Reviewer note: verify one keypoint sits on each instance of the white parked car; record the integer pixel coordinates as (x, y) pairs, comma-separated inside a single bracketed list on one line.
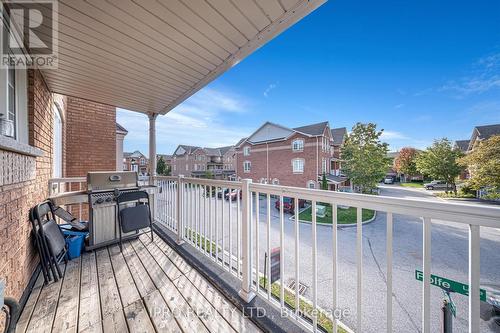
[(436, 185), (388, 180)]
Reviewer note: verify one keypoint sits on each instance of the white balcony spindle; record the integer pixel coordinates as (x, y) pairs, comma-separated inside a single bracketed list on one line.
[(268, 234), (246, 292), (257, 243), (314, 268), (426, 288), (335, 260), (179, 203), (474, 275), (359, 251), (282, 253), (297, 254), (230, 230), (389, 271)]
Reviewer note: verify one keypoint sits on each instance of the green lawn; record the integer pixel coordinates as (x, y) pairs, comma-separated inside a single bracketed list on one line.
[(344, 216), (415, 185), (305, 308)]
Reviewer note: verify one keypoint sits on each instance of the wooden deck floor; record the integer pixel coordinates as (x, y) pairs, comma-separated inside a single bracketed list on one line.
[(147, 288)]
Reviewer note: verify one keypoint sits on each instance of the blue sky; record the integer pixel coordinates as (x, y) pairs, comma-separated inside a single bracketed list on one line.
[(418, 69)]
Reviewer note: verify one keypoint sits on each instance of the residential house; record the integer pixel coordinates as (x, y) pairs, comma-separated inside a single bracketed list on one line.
[(275, 154), (137, 162), (479, 133), (196, 161), (121, 132)]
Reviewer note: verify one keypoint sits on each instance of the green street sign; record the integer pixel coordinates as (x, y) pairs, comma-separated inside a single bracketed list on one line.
[(449, 285)]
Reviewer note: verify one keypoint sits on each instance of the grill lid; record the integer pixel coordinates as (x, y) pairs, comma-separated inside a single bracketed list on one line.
[(109, 180)]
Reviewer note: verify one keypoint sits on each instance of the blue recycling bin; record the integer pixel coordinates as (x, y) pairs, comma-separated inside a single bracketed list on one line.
[(74, 239)]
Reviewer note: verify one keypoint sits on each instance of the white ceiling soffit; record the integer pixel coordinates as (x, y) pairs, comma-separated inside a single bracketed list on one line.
[(151, 55)]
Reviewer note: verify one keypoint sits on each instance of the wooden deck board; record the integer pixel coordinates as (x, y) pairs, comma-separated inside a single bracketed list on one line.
[(146, 288), (66, 319), (24, 319), (215, 298), (89, 318), (45, 309)]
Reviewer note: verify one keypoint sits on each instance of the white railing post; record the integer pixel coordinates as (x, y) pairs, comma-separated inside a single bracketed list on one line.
[(474, 278), (246, 244), (178, 207)]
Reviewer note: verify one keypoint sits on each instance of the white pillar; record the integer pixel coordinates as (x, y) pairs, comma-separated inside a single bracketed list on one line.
[(246, 242), (152, 146)]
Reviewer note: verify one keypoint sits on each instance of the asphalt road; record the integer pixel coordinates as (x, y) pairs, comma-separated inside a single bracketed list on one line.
[(449, 259)]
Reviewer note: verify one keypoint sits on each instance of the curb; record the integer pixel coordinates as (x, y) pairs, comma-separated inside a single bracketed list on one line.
[(347, 225)]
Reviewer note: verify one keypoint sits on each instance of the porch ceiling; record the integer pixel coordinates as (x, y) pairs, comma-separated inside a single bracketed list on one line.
[(150, 55)]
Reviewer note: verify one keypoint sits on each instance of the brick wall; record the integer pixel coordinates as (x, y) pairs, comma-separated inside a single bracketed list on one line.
[(91, 137), (18, 258), (274, 161)]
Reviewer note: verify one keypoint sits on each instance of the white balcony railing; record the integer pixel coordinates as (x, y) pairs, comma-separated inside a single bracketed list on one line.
[(236, 233), (231, 233)]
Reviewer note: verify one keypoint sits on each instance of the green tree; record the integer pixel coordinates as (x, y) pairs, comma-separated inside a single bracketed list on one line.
[(324, 182), (161, 167), (406, 162), (484, 164), (440, 161), (209, 174), (365, 156)]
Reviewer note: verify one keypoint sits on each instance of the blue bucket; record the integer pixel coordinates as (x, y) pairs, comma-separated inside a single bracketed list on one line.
[(74, 239)]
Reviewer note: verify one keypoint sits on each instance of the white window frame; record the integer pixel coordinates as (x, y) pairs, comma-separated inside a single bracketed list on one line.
[(311, 182), (298, 145), (296, 167), (20, 125), (246, 151), (247, 166), (57, 135), (276, 181)]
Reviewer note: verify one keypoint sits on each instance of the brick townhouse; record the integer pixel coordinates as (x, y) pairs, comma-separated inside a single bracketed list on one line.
[(276, 154), (136, 161), (42, 136), (193, 161)]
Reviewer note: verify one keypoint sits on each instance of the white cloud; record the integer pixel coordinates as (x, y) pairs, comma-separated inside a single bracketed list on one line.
[(389, 135), (198, 121), (398, 106), (269, 88), (484, 76)]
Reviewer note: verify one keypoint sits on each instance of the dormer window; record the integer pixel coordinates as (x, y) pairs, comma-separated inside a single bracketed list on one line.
[(246, 151), (298, 145)]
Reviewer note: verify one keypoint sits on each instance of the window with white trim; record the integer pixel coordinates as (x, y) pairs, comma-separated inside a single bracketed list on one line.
[(298, 165), (246, 151), (298, 145), (276, 181), (324, 165), (247, 165), (311, 184)]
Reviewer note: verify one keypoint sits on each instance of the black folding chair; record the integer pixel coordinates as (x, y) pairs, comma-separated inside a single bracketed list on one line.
[(51, 238), (135, 218)]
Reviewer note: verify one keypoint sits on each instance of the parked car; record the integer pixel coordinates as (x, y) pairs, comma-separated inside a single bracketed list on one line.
[(222, 194), (233, 195), (289, 204), (388, 180), (436, 185)]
